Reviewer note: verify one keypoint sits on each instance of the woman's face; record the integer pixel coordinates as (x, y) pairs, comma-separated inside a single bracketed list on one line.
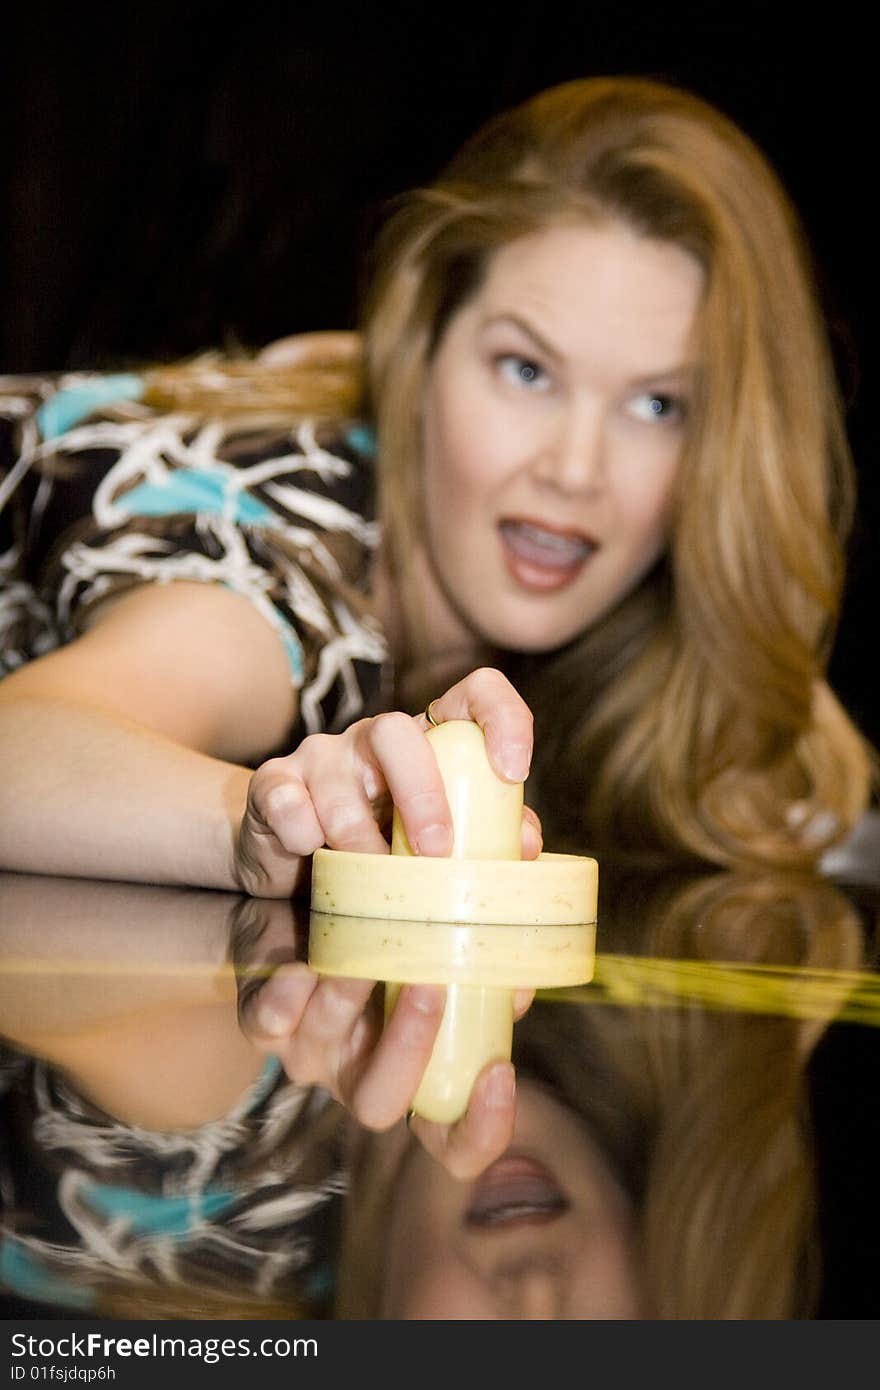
[(554, 415), (545, 1232)]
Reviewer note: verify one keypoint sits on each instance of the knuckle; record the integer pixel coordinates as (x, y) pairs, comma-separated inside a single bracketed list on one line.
[(424, 808), (390, 723), (314, 746), (345, 822), (306, 1072), (270, 770), (366, 1114), (487, 678)]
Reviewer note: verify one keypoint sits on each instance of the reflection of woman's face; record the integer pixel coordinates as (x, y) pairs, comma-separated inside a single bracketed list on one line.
[(546, 1232), (555, 412)]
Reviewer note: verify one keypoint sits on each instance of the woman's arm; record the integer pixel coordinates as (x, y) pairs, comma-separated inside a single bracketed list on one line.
[(119, 756), (126, 753)]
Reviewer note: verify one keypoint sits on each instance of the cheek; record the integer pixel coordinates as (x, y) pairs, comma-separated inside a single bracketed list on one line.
[(607, 1285), (466, 442), (649, 504), (457, 491), (454, 463)]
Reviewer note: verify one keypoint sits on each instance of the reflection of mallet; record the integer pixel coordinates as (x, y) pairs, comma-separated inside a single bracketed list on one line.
[(483, 922)]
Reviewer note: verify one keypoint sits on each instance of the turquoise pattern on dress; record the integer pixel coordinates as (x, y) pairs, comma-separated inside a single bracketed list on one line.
[(23, 1274), (208, 492), (72, 404), (145, 1214), (363, 438), (194, 491)]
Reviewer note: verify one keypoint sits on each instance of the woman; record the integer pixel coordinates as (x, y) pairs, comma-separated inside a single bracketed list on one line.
[(613, 487)]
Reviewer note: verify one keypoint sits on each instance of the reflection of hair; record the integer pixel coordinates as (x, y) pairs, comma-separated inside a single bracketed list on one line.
[(730, 1205), (696, 712), (701, 1111)]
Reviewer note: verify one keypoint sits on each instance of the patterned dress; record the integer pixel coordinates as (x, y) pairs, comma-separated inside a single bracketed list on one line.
[(100, 492)]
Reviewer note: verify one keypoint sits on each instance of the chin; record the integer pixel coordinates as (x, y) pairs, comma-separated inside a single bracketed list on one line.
[(531, 642)]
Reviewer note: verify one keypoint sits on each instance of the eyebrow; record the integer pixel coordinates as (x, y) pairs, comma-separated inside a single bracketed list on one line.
[(524, 328), (684, 370)]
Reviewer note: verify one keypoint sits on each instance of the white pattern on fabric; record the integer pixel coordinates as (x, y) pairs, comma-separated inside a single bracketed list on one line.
[(182, 497), (231, 1204)]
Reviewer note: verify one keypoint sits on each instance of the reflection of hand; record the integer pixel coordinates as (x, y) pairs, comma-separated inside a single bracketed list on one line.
[(337, 789), (328, 1032)]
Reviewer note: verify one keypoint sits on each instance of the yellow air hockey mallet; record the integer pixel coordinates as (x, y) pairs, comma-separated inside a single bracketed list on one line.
[(483, 922)]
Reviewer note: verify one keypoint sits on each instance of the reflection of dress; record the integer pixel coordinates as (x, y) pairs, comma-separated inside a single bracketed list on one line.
[(243, 1208), (99, 492)]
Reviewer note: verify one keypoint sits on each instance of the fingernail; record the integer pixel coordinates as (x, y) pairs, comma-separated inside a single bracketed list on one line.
[(501, 1089), (280, 798), (434, 839), (270, 1021), (515, 759), (424, 998)]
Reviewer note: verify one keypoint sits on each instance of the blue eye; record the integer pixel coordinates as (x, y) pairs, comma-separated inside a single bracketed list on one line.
[(651, 407), (522, 371)]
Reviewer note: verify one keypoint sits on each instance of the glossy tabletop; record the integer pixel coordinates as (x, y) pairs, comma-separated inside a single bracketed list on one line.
[(700, 1123)]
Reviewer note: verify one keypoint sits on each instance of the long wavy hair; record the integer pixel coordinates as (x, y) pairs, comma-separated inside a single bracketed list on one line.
[(696, 715)]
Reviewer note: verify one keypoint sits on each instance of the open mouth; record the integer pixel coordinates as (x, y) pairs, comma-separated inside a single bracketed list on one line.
[(543, 558), (515, 1190)]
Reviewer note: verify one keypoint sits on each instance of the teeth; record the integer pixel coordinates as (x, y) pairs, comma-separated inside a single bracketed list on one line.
[(518, 1211), (561, 547), (549, 538)]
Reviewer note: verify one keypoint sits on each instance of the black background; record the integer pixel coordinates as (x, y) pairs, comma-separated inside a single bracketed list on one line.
[(184, 176)]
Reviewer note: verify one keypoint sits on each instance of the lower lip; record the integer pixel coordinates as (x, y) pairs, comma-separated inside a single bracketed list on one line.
[(543, 579)]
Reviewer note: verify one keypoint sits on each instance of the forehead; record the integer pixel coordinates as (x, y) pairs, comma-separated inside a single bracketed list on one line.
[(596, 286)]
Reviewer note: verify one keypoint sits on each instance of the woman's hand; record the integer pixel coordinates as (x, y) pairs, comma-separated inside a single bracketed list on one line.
[(338, 789), (317, 349), (329, 1032)]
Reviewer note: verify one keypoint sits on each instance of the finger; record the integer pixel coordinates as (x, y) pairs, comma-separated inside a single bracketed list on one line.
[(487, 697), (276, 1010), (413, 777), (385, 1090), (483, 1133), (522, 1002), (279, 802), (532, 835), (346, 814), (329, 1033), (343, 779)]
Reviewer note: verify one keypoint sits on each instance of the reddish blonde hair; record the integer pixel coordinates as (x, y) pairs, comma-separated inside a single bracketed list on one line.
[(697, 713)]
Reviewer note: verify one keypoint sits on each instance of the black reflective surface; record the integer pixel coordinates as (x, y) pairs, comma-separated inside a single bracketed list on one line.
[(700, 1125)]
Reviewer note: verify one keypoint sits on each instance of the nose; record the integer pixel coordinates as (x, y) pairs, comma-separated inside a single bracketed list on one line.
[(571, 453)]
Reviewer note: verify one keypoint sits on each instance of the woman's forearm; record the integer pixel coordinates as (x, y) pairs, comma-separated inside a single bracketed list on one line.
[(86, 792)]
